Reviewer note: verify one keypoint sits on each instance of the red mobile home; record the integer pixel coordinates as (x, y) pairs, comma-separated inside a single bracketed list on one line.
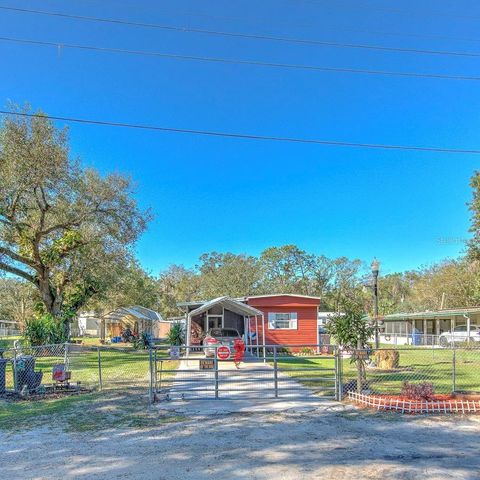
[(287, 319), (281, 319)]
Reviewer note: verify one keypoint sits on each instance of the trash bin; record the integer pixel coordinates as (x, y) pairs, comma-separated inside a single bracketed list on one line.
[(3, 368), (25, 373)]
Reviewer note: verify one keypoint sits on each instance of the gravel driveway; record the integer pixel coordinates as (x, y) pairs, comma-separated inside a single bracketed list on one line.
[(330, 442)]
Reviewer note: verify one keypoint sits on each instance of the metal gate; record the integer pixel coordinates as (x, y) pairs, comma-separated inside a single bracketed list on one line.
[(277, 371)]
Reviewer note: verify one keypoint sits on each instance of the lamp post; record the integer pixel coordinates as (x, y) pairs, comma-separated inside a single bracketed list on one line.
[(375, 268)]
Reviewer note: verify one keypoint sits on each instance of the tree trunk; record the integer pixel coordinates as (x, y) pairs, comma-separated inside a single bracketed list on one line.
[(360, 375), (52, 300)]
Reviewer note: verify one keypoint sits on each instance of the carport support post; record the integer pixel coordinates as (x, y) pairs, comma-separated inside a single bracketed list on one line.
[(263, 339)]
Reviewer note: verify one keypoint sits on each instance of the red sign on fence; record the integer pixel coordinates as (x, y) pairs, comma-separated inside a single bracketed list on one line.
[(223, 353)]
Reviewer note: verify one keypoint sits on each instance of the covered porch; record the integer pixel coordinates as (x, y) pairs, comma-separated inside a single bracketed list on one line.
[(425, 327), (223, 312)]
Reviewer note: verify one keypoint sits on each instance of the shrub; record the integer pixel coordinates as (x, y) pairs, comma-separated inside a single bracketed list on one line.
[(44, 330), (418, 391), (175, 336), (143, 341), (307, 351)]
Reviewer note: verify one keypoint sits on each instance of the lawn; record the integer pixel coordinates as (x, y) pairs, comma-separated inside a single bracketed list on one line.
[(84, 412), (416, 365), (7, 342), (119, 367)]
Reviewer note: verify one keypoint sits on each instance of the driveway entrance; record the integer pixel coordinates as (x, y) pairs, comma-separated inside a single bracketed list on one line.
[(281, 374)]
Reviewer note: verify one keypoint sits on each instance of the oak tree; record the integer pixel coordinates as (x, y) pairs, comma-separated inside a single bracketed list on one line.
[(63, 228)]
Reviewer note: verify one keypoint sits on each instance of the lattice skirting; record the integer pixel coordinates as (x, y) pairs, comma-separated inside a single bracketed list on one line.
[(412, 406)]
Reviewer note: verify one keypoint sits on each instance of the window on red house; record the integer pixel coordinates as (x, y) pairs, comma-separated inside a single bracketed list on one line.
[(282, 321)]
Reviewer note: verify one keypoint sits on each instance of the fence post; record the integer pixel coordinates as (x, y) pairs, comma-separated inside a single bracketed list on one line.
[(338, 373), (151, 382), (454, 368), (100, 383), (216, 373), (65, 356), (275, 370), (15, 380)]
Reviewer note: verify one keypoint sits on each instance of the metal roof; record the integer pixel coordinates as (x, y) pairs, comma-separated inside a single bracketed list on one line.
[(450, 312), (198, 303), (10, 322), (282, 295), (136, 312), (230, 304)]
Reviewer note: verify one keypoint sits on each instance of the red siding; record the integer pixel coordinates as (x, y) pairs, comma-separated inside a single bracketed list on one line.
[(306, 309)]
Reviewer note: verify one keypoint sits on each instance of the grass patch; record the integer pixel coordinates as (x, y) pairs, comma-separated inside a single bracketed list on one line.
[(120, 367), (84, 413), (433, 365), (7, 342)]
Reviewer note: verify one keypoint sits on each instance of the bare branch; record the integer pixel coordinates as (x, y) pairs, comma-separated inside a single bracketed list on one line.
[(18, 272), (17, 257)]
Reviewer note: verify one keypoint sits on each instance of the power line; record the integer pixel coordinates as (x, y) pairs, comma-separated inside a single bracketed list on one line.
[(231, 61), (243, 136), (393, 11), (274, 38)]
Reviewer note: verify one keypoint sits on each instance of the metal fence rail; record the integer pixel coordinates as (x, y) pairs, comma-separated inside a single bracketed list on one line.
[(448, 370), (89, 367), (286, 371), (281, 373)]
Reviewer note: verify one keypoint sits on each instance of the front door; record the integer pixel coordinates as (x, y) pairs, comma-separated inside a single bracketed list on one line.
[(213, 321)]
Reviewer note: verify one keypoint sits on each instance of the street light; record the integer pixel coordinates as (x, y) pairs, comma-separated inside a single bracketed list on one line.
[(375, 266)]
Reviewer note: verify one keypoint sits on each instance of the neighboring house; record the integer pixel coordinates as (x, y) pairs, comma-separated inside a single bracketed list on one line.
[(87, 325), (138, 319), (9, 328), (280, 319), (425, 327), (325, 317)]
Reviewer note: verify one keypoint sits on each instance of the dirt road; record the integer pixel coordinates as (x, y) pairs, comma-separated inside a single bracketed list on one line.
[(327, 443)]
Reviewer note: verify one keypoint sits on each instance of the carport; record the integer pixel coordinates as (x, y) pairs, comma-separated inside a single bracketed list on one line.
[(225, 312), (138, 319)]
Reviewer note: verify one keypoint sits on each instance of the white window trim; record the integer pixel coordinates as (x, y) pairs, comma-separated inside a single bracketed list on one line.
[(293, 320)]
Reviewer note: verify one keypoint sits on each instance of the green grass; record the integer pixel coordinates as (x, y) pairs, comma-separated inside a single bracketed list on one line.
[(120, 368), (7, 342), (317, 373), (416, 365), (84, 413)]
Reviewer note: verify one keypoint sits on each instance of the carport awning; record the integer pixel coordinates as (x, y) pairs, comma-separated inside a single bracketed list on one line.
[(228, 303), (129, 314)]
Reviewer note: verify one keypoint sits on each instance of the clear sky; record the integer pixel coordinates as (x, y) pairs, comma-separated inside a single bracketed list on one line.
[(406, 208)]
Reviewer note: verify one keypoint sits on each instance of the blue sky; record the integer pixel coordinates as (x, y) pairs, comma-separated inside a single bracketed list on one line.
[(406, 208)]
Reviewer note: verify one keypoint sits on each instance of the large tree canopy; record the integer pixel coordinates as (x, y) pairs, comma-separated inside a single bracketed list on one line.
[(63, 228)]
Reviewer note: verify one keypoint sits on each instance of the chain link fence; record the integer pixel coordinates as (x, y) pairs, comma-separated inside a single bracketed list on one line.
[(323, 370), (88, 367), (452, 369)]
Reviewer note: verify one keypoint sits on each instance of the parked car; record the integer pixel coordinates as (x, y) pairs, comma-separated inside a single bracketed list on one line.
[(460, 334), (217, 337)]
